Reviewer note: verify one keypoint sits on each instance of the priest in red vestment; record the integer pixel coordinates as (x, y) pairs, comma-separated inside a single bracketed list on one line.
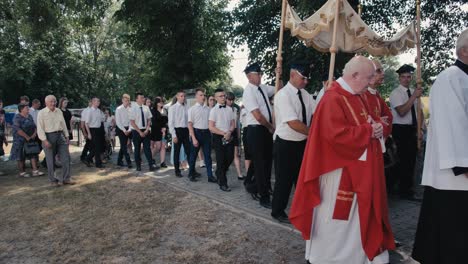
[(340, 204)]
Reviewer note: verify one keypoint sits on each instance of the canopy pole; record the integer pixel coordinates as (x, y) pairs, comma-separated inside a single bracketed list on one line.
[(279, 56), (359, 9), (419, 81), (333, 48)]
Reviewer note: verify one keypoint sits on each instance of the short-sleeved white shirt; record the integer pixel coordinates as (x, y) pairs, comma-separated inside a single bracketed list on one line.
[(243, 117), (84, 114), (95, 117), (253, 99), (178, 117), (288, 108), (198, 115), (135, 114), (398, 97), (222, 116)]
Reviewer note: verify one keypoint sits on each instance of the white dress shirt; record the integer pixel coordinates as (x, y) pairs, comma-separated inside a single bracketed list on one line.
[(222, 116), (84, 114), (178, 117), (33, 112), (95, 117), (243, 117), (288, 108), (122, 117), (135, 114), (398, 97), (253, 99), (198, 115)]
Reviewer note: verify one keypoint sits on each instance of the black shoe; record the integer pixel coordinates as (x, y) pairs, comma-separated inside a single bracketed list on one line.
[(87, 163), (178, 174), (120, 164), (163, 165), (241, 178), (138, 167), (130, 166), (265, 202), (212, 179), (153, 168), (282, 219), (100, 166), (224, 188), (197, 174), (193, 179)]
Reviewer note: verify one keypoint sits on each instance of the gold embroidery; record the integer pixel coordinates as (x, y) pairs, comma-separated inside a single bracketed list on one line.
[(345, 192), (344, 199), (351, 110), (364, 113)]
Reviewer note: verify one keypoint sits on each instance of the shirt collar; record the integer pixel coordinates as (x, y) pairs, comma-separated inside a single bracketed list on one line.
[(292, 88), (462, 66), (345, 86), (218, 105), (198, 104), (403, 88), (48, 110), (372, 90)]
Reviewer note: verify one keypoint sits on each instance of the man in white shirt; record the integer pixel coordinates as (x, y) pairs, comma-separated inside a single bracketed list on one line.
[(36, 104), (123, 130), (260, 133), (200, 135), (140, 122), (403, 101), (178, 127), (294, 107), (222, 125), (95, 130), (87, 146), (442, 229)]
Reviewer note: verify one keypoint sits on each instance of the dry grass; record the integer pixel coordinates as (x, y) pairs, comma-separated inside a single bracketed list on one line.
[(118, 218)]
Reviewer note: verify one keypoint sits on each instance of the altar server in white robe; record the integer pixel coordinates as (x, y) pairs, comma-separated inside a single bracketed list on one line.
[(442, 232)]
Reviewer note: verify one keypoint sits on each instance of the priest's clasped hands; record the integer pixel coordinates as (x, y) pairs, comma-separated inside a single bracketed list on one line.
[(377, 128)]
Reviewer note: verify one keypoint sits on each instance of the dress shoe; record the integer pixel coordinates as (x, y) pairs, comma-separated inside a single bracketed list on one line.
[(54, 184), (138, 167), (265, 202), (100, 166), (212, 179), (193, 179), (129, 165), (153, 168), (178, 174), (282, 219), (241, 178), (69, 183), (120, 164), (224, 188), (197, 174), (87, 163), (163, 165)]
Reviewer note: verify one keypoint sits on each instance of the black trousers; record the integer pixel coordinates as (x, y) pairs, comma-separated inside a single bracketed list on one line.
[(182, 134), (442, 229), (97, 145), (405, 137), (123, 152), (288, 160), (260, 144), (224, 158), (137, 141), (86, 149), (244, 142)]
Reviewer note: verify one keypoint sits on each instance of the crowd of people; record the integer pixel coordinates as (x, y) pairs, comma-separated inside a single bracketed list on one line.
[(331, 149)]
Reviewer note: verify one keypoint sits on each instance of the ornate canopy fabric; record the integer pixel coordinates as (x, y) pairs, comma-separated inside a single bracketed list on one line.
[(353, 35)]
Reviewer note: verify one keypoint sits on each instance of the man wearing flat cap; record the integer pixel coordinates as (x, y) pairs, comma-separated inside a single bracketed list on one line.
[(259, 120), (403, 101), (294, 107)]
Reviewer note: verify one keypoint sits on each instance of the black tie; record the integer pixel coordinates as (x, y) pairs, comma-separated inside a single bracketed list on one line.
[(142, 118), (304, 115), (266, 103), (413, 110), (222, 106)]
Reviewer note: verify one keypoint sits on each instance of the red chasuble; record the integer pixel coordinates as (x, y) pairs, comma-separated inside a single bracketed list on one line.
[(339, 135), (378, 108)]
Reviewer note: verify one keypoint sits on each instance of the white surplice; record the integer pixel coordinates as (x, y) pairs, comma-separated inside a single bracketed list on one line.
[(447, 140), (336, 241)]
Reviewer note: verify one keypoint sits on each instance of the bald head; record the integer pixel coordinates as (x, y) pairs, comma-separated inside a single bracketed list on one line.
[(358, 73), (462, 46)]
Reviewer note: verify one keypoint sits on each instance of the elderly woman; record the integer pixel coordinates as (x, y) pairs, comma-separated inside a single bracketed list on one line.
[(24, 130)]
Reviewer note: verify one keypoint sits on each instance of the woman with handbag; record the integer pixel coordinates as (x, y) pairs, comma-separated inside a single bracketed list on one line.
[(25, 145)]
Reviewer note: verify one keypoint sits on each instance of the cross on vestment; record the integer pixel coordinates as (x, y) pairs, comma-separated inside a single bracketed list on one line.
[(364, 113), (377, 112)]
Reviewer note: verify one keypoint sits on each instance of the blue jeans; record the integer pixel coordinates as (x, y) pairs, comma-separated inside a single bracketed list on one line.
[(203, 137)]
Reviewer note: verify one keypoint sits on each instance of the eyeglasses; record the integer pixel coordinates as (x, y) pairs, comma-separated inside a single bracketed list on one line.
[(302, 76)]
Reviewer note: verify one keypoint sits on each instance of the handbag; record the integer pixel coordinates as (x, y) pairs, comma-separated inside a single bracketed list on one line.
[(31, 148)]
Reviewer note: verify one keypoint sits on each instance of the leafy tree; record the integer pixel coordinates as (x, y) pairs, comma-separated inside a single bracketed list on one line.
[(186, 40)]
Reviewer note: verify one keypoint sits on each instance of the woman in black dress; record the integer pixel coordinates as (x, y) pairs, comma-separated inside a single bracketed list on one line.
[(67, 115), (158, 130)]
